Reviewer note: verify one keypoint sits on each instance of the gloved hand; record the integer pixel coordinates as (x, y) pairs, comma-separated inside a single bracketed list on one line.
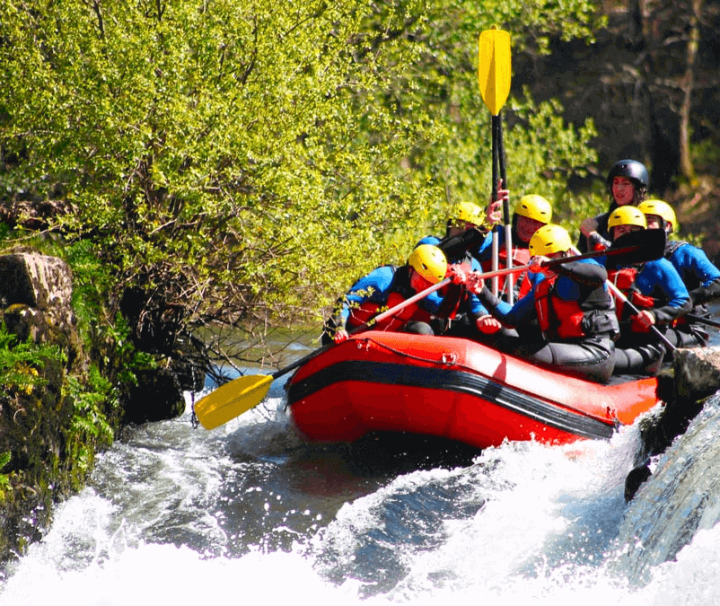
[(597, 242), (340, 336), (488, 325), (642, 322), (457, 273), (536, 266), (474, 283)]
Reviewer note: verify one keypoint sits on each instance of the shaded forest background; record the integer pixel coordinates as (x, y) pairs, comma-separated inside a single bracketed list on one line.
[(650, 81), (229, 170)]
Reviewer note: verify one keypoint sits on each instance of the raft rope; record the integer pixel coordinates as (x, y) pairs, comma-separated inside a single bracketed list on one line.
[(446, 360)]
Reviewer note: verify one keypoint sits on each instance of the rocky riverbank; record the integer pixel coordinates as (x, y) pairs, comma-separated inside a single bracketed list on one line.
[(60, 403)]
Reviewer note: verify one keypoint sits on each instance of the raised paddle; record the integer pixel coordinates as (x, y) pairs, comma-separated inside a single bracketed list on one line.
[(506, 212), (494, 74), (240, 395), (633, 247)]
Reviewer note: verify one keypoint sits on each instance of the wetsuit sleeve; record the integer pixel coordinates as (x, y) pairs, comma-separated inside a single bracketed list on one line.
[(374, 287), (585, 272), (477, 309), (520, 314), (695, 268), (428, 240), (602, 229), (484, 253), (661, 275), (484, 250), (705, 294)]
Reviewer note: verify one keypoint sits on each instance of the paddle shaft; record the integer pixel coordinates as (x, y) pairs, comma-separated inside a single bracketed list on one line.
[(550, 263), (369, 324), (701, 320), (496, 232), (506, 210), (621, 295)]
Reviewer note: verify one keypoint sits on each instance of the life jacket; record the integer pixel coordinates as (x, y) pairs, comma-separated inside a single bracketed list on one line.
[(624, 280), (454, 295), (399, 291), (520, 256), (573, 319)]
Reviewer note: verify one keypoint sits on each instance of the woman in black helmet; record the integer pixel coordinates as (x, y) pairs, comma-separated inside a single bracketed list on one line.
[(627, 182)]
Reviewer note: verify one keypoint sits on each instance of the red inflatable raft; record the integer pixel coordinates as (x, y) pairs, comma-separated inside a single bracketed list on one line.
[(453, 388)]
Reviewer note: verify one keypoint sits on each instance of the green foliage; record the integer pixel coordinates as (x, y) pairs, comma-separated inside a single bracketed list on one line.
[(250, 160), (88, 429), (706, 152), (5, 458), (20, 362)]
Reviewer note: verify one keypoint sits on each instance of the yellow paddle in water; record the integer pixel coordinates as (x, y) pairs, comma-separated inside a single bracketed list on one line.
[(494, 75), (240, 395)]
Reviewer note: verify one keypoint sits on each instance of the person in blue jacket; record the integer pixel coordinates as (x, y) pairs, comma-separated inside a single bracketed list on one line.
[(657, 292), (627, 184), (470, 319), (700, 276), (386, 287), (567, 321)]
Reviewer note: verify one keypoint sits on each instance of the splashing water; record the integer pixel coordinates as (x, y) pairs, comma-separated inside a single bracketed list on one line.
[(183, 516)]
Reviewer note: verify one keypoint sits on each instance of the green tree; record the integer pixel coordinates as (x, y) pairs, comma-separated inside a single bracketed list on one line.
[(241, 162)]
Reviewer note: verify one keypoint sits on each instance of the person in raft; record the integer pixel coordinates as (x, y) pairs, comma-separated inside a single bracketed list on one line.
[(700, 276), (530, 214), (386, 287), (459, 312), (655, 289), (627, 183), (567, 321)]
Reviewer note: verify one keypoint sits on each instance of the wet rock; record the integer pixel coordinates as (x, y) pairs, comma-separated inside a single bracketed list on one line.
[(694, 377), (35, 294), (157, 396)]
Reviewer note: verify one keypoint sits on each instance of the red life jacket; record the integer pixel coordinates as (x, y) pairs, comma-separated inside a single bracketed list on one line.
[(557, 317), (399, 291), (453, 295), (624, 279), (520, 256)]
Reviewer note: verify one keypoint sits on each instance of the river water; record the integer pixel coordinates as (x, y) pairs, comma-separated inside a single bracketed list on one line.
[(177, 515)]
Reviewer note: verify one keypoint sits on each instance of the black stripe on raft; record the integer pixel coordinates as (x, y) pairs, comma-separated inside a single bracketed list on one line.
[(453, 380)]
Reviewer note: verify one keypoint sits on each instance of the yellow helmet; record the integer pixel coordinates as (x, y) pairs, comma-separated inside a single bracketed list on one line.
[(534, 207), (549, 239), (467, 212), (429, 261), (661, 209), (627, 215)]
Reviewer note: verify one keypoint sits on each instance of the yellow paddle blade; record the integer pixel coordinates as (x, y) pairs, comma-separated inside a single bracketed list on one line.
[(494, 68), (231, 400)]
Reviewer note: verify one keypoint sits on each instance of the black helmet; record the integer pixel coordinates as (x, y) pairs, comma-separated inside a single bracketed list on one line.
[(632, 169)]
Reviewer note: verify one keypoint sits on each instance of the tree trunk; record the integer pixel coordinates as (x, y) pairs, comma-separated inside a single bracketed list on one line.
[(686, 163)]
